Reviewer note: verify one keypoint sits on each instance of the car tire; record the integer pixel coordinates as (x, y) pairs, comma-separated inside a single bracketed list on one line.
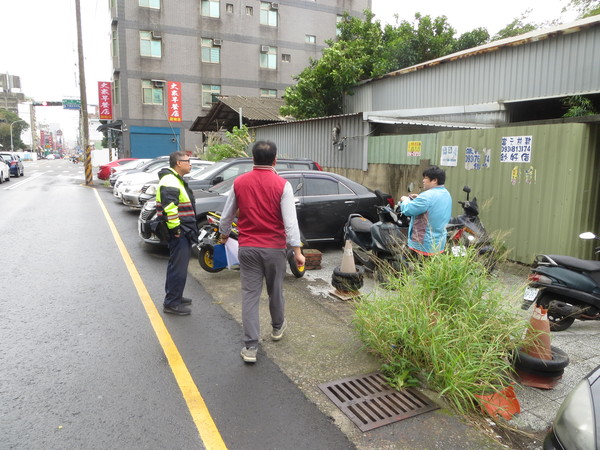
[(346, 281), (559, 361)]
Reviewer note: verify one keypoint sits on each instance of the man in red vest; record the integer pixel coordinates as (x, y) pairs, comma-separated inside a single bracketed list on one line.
[(266, 222)]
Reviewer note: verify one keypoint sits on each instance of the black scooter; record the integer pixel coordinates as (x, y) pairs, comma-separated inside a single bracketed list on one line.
[(569, 288), (378, 242)]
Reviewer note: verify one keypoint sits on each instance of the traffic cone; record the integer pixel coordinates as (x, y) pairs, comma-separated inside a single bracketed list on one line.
[(538, 335), (348, 265)]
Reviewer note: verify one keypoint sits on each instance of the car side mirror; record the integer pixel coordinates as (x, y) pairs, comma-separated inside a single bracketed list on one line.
[(217, 180)]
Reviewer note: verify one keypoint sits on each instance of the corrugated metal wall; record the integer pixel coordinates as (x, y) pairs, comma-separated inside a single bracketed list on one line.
[(395, 149), (313, 139), (543, 204)]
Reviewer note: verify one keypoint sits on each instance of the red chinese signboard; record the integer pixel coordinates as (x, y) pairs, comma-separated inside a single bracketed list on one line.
[(105, 100), (174, 100)]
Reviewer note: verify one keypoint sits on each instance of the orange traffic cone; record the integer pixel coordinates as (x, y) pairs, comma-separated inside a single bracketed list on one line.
[(503, 403), (539, 335), (348, 265)]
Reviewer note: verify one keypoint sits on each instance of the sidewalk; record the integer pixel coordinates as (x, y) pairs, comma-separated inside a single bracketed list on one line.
[(321, 346)]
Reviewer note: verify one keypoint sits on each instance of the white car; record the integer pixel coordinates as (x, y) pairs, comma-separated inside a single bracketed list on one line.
[(4, 171)]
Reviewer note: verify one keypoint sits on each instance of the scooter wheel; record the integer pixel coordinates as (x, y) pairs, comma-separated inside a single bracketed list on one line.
[(296, 271), (205, 258), (558, 320)]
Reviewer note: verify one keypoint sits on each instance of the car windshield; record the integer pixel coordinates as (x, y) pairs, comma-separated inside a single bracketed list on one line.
[(222, 188), (209, 173)]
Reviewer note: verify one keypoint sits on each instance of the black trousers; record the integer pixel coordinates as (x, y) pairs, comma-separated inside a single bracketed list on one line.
[(180, 250)]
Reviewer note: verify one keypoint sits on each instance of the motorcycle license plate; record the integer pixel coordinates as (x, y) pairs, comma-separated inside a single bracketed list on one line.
[(203, 233), (530, 294)]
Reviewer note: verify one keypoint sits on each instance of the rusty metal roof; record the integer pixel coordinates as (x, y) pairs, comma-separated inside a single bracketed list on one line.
[(225, 113)]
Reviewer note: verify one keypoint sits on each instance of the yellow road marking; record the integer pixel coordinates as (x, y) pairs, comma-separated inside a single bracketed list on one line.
[(209, 434)]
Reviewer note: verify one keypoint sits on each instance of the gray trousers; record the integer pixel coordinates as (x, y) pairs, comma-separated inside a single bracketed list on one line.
[(255, 264)]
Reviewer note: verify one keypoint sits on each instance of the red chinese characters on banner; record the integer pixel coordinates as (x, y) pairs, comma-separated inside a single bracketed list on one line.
[(105, 100), (174, 100)]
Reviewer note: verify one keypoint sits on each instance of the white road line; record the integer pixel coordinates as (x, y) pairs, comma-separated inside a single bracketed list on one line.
[(20, 183)]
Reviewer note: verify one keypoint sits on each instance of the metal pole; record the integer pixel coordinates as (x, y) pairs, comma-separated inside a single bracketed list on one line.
[(84, 113), (12, 149)]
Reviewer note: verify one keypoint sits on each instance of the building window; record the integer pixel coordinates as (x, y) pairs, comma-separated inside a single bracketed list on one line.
[(116, 91), (268, 57), (154, 4), (286, 57), (152, 92), (229, 8), (272, 93), (310, 39), (339, 19), (209, 91), (210, 8), (249, 11), (115, 44), (211, 53), (268, 15), (150, 45)]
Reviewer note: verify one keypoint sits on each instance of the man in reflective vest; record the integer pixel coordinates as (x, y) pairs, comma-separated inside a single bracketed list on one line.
[(175, 205)]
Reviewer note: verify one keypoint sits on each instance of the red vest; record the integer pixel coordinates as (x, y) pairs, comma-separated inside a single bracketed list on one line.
[(258, 195)]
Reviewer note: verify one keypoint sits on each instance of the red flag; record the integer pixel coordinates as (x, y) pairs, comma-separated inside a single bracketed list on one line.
[(174, 100), (105, 99)]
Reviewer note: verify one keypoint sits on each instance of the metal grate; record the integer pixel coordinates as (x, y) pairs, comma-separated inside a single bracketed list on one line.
[(370, 403)]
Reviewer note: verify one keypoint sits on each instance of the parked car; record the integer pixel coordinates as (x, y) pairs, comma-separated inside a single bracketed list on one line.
[(146, 165), (131, 188), (227, 169), (14, 161), (104, 169), (324, 200), (577, 423), (4, 171)]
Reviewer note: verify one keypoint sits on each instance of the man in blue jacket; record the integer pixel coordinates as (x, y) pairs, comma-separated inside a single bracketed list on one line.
[(430, 212)]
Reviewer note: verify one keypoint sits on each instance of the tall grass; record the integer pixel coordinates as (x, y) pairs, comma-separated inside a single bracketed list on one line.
[(448, 325)]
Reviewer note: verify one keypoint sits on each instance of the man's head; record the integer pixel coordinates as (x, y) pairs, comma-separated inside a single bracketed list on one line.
[(180, 162), (264, 153), (433, 176)]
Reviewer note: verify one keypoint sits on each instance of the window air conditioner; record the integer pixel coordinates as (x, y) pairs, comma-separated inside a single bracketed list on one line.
[(217, 42), (158, 83), (264, 48), (156, 35), (274, 5)]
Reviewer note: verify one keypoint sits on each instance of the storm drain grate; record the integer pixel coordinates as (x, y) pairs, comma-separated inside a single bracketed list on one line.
[(370, 403)]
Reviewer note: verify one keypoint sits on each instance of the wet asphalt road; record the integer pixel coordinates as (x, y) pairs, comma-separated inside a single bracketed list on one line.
[(81, 366)]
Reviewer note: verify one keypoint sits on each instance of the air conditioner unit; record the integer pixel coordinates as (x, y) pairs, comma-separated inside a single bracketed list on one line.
[(156, 35), (218, 42), (158, 83), (264, 48), (274, 5)]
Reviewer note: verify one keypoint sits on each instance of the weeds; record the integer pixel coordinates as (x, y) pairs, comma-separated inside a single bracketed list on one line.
[(447, 325)]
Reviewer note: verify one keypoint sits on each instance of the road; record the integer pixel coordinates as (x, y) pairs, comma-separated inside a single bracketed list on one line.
[(85, 341)]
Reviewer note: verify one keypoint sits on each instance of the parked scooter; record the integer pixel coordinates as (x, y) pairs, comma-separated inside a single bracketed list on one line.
[(378, 242), (209, 237), (467, 230), (569, 288)]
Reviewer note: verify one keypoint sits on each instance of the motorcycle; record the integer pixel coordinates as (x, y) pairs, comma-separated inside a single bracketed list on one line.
[(382, 241), (467, 230), (209, 237), (569, 288)]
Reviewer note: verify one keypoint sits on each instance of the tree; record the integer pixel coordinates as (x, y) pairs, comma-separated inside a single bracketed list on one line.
[(516, 27), (237, 141), (6, 119), (578, 106), (586, 8)]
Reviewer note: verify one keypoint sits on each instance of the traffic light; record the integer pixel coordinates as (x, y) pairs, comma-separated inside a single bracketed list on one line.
[(45, 103)]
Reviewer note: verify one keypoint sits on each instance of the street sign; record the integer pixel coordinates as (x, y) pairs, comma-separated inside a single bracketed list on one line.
[(71, 104)]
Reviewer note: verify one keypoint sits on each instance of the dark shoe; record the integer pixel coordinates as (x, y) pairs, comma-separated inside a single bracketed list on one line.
[(186, 301), (179, 310)]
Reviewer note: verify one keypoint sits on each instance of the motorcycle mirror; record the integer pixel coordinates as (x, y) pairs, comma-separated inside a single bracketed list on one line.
[(587, 235), (467, 189)]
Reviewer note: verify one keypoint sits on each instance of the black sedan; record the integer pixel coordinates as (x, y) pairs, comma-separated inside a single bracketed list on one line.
[(324, 200)]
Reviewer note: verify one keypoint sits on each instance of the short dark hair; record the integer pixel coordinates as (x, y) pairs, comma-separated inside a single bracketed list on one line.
[(435, 173), (174, 157), (264, 153)]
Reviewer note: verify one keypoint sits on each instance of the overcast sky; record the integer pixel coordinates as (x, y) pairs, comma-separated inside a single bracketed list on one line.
[(40, 39)]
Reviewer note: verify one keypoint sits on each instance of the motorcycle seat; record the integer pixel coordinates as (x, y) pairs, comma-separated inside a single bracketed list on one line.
[(361, 225), (582, 265)]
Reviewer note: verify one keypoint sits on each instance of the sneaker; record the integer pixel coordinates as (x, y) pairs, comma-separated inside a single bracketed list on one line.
[(186, 301), (277, 333), (249, 354), (179, 310)]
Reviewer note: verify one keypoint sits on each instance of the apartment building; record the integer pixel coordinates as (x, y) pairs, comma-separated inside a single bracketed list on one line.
[(211, 47)]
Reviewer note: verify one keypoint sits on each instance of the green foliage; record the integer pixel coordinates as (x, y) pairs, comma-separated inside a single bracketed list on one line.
[(516, 27), (234, 145), (447, 324), (578, 106), (585, 8), (6, 118)]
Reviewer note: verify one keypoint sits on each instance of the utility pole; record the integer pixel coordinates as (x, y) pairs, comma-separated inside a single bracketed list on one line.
[(87, 162)]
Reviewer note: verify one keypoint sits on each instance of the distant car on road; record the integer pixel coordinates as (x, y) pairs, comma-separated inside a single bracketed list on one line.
[(14, 162), (324, 200), (4, 171), (104, 169)]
